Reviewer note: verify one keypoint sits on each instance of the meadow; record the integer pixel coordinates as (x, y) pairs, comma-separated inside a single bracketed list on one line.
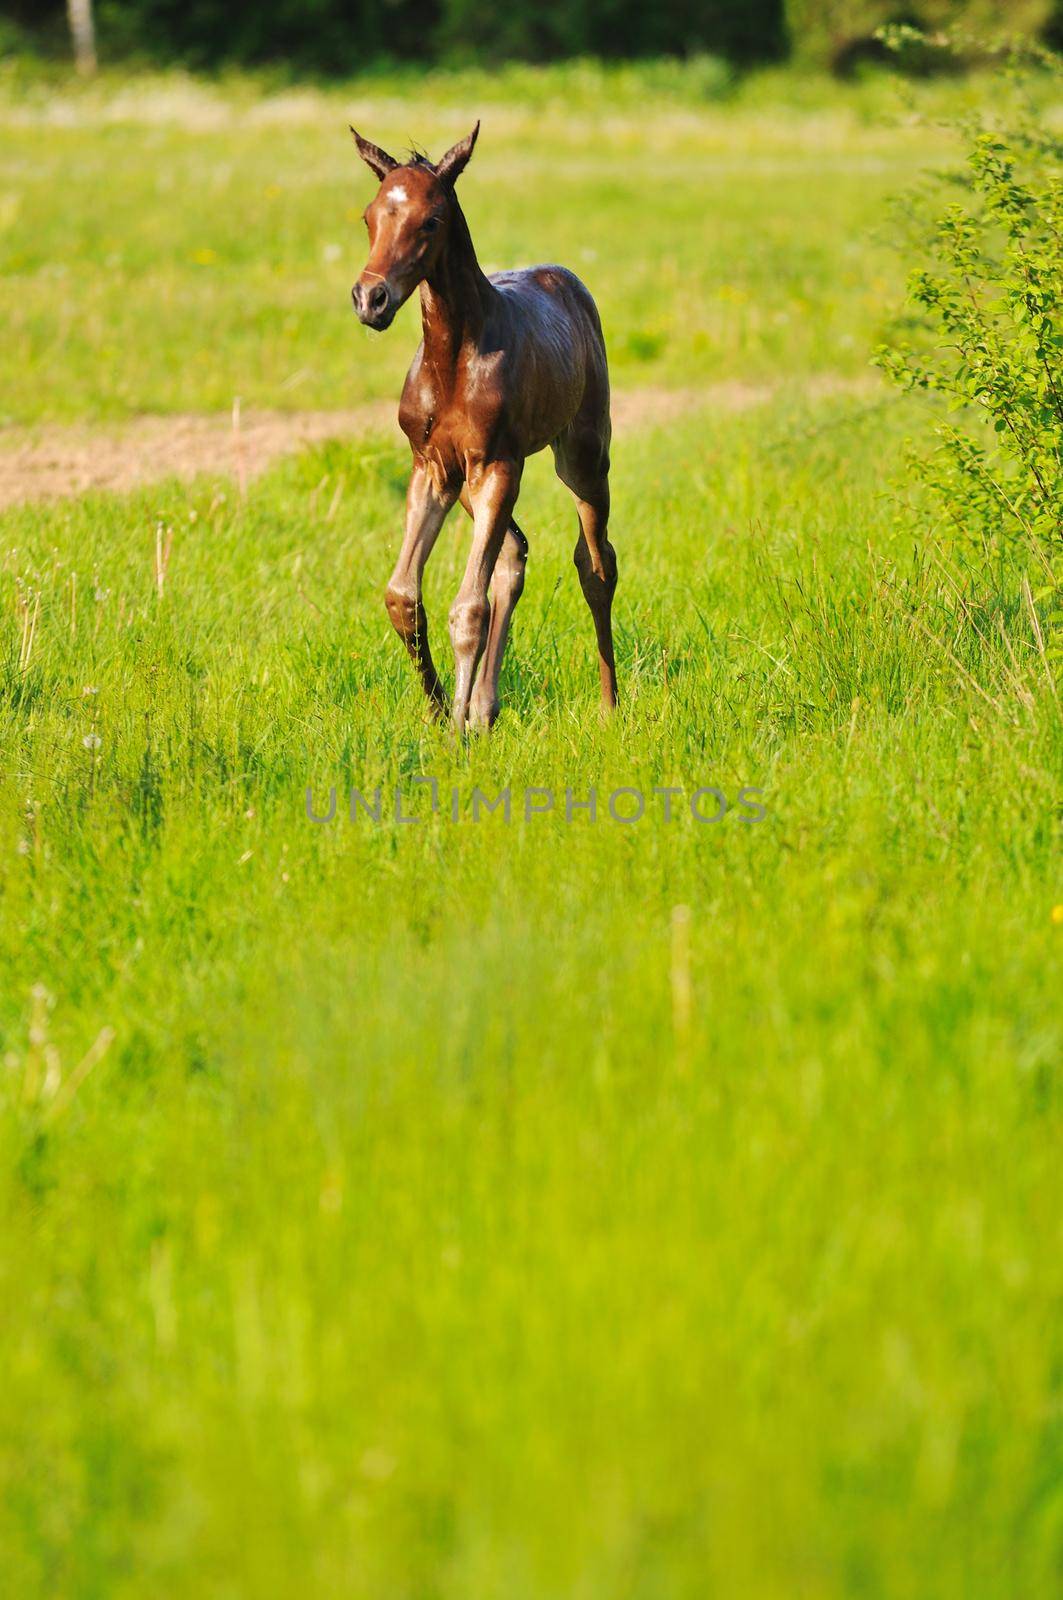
[(454, 1209)]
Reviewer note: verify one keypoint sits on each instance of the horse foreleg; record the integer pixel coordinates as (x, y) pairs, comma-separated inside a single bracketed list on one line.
[(507, 586), (426, 510), (492, 498)]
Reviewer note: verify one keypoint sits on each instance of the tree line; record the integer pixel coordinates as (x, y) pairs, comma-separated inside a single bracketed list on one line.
[(345, 36)]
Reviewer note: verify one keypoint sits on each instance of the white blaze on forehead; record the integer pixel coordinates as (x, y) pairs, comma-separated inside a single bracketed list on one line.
[(398, 193)]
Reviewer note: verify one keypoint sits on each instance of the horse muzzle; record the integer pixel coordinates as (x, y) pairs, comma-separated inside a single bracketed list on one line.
[(374, 304)]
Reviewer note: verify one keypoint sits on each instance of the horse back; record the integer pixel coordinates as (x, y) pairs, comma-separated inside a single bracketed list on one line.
[(554, 367)]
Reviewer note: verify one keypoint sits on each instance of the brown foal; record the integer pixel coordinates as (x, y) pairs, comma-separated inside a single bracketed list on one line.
[(507, 365)]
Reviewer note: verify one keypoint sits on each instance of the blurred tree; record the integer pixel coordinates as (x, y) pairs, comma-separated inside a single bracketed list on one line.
[(317, 35), (741, 30), (341, 36), (1054, 29), (82, 33)]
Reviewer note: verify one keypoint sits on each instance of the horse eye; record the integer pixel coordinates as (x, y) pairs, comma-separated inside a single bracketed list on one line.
[(431, 225)]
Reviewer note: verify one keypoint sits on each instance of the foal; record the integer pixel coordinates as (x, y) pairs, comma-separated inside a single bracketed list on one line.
[(507, 365)]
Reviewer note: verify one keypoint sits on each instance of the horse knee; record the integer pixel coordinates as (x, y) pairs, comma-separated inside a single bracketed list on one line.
[(405, 610), (468, 624)]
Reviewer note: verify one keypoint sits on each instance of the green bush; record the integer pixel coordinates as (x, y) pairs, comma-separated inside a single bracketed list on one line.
[(990, 344), (835, 32)]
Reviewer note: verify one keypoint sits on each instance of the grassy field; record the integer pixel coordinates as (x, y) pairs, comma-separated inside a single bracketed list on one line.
[(456, 1209)]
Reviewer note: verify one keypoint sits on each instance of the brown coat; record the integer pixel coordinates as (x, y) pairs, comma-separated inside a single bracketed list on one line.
[(507, 365)]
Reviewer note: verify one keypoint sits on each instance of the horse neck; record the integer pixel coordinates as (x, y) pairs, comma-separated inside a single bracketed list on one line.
[(455, 297)]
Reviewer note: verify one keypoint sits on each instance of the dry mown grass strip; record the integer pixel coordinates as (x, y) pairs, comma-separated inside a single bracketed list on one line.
[(49, 462)]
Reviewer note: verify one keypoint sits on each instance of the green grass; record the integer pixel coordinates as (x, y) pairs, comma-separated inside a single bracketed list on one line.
[(416, 1235)]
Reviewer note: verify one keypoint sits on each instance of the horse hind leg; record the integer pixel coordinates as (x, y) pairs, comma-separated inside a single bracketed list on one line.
[(594, 556), (595, 561)]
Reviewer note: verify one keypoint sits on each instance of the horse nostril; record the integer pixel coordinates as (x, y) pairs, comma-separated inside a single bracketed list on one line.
[(356, 296), (378, 298)]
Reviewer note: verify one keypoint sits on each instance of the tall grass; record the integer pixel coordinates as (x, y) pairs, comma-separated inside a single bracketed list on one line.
[(555, 1208), (434, 1222)]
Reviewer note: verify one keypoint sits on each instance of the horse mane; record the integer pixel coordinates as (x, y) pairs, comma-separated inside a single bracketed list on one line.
[(420, 158)]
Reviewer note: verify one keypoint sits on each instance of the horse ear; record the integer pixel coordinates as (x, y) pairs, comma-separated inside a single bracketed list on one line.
[(453, 164), (376, 159)]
